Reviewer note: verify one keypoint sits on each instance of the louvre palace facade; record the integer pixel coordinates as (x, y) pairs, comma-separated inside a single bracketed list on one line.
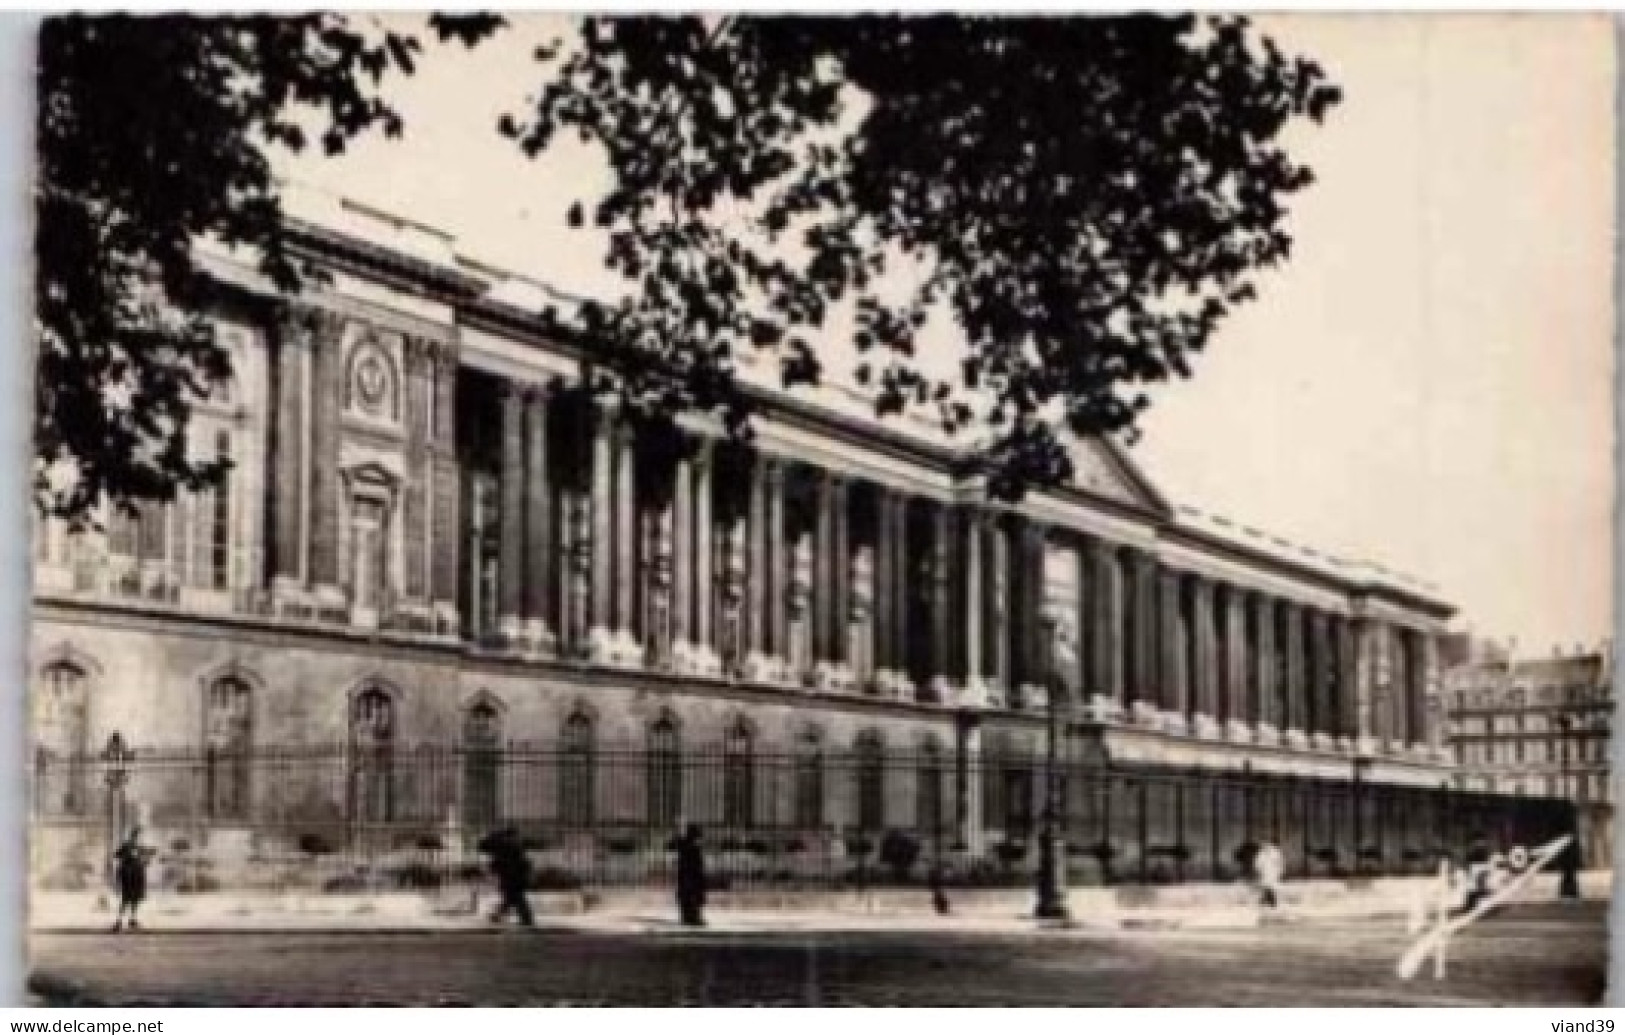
[(428, 542)]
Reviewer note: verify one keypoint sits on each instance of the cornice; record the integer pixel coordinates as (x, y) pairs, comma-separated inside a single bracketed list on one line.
[(367, 258), (464, 292), (463, 658)]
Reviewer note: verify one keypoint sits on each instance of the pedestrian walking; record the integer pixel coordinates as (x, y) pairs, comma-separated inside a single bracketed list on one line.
[(939, 894), (130, 874), (691, 877), (510, 864), (1568, 868), (1269, 866), (1478, 878)]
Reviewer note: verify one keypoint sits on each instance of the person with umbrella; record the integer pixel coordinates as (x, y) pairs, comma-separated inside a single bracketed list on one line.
[(691, 877), (510, 864)]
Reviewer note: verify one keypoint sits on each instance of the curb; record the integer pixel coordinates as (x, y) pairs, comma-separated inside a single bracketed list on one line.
[(636, 927), (59, 992)]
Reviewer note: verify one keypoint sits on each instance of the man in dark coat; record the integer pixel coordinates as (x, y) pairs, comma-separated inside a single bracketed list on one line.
[(691, 877), (510, 864), (1568, 867), (939, 891), (130, 874)]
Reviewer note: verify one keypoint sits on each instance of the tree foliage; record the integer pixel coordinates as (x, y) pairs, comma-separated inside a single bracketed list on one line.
[(152, 133), (1086, 199)]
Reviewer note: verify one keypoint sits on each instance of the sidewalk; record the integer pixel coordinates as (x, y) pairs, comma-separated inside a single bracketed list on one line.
[(1214, 907), (396, 913)]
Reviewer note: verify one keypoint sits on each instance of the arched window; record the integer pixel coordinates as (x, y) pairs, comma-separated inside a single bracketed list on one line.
[(928, 790), (372, 754), (482, 748), (62, 744), (577, 764), (870, 753), (739, 775), (228, 739), (810, 780), (1017, 793), (665, 772)]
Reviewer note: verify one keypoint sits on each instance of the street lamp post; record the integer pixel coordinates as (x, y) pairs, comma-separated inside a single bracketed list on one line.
[(117, 757), (1361, 762), (1051, 903), (1569, 884)]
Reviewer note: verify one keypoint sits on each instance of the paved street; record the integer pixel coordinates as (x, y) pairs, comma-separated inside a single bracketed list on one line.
[(1533, 955)]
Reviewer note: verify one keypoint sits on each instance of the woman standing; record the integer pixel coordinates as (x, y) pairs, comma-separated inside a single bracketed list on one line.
[(130, 873)]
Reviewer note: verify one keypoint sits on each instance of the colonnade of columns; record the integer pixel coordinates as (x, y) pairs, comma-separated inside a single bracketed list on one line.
[(714, 561)]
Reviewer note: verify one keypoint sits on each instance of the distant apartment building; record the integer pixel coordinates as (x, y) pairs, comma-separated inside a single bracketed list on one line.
[(1536, 726)]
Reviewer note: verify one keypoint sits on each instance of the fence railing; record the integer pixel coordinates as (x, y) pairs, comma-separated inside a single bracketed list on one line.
[(354, 817)]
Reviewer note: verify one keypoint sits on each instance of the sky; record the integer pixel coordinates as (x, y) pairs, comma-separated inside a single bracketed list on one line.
[(1427, 384)]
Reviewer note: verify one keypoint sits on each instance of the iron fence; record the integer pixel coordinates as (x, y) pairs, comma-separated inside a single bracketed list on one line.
[(349, 818)]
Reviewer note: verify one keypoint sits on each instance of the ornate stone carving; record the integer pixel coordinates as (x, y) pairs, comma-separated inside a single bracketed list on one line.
[(800, 610), (731, 599)]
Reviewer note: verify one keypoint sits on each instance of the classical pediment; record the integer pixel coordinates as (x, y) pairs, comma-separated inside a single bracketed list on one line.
[(1102, 468)]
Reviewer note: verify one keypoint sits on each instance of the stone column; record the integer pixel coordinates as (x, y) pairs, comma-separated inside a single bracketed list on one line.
[(1176, 703), (682, 568), (705, 562), (823, 578), (444, 492), (884, 552), (328, 377), (996, 574), (1269, 719), (511, 515), (1374, 716), (600, 546), (778, 571), (1359, 691), (289, 397), (1084, 665), (416, 546), (756, 611), (1416, 721), (902, 577), (971, 605), (1148, 697), (1395, 684), (1220, 604), (1321, 721), (1128, 623), (1296, 696), (728, 633), (940, 676), (1028, 647), (840, 579), (626, 544), (656, 582), (1433, 732), (1239, 717), (1018, 625), (1348, 708), (1205, 681), (1107, 642), (539, 527)]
